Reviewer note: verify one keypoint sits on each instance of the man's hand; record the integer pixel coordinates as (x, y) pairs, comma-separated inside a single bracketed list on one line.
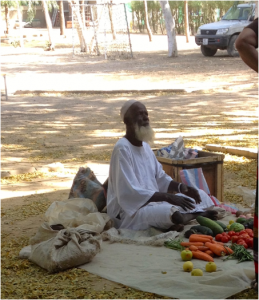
[(190, 192), (185, 203)]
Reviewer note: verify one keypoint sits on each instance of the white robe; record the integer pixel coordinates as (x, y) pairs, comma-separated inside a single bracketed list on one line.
[(135, 175)]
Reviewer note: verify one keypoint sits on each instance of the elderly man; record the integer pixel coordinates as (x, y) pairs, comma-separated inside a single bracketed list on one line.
[(140, 193), (247, 43)]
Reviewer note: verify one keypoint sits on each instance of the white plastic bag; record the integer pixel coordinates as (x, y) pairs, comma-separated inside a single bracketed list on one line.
[(248, 195), (67, 249)]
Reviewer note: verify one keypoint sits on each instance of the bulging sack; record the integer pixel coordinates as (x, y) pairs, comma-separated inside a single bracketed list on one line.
[(69, 248), (76, 212)]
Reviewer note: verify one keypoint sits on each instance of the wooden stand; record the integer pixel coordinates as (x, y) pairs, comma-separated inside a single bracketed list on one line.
[(211, 164)]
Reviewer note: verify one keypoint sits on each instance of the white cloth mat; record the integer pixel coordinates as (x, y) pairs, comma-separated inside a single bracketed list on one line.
[(141, 267)]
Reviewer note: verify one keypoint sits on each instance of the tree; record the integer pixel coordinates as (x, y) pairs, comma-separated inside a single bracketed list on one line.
[(257, 9), (79, 24), (62, 17), (20, 23), (111, 20), (186, 21), (7, 5), (170, 29), (51, 45), (82, 11), (147, 22)]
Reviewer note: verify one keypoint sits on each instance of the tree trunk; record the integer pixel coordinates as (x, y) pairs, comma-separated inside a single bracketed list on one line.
[(147, 22), (256, 9), (111, 20), (61, 17), (79, 26), (186, 21), (6, 18), (49, 25), (20, 23), (82, 12), (170, 29)]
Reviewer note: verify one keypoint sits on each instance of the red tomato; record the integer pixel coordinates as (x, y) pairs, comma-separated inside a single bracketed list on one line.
[(218, 237), (225, 239), (251, 234), (250, 242), (248, 230), (243, 236), (242, 242), (231, 233), (234, 238), (242, 232), (224, 233)]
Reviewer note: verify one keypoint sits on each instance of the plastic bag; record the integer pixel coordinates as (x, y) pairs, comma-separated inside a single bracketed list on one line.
[(248, 195), (69, 248)]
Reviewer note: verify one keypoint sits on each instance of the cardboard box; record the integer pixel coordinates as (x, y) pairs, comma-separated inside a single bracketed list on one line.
[(211, 164)]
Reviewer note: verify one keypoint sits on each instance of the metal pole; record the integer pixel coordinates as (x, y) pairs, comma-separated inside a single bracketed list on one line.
[(5, 87), (128, 30)]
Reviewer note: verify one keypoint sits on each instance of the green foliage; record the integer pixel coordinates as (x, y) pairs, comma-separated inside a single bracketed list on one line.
[(9, 4)]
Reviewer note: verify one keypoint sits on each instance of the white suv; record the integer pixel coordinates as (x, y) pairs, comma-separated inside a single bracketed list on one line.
[(223, 34)]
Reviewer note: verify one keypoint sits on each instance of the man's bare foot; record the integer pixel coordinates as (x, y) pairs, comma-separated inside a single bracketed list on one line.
[(177, 218), (211, 214), (176, 227)]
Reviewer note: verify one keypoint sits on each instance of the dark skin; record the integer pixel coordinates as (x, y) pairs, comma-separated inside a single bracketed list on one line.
[(246, 45), (138, 114)]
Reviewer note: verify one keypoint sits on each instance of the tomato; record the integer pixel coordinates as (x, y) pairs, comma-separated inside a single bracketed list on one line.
[(242, 242), (242, 232), (218, 237), (250, 242), (224, 233), (248, 230), (243, 236), (234, 238), (231, 233), (225, 239), (251, 234)]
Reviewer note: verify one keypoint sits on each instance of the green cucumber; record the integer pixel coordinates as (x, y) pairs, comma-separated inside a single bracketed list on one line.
[(222, 225), (202, 230), (215, 227)]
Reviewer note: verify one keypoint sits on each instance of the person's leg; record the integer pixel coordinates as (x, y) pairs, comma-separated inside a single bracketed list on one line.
[(179, 218)]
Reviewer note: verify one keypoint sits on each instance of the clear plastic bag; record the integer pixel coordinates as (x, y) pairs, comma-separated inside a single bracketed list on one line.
[(248, 195)]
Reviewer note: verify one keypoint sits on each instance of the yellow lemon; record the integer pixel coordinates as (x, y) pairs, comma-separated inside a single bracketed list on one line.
[(188, 266), (197, 272), (231, 222), (211, 267)]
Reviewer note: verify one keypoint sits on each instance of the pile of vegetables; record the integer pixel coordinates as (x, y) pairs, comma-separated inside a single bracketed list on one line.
[(243, 237), (203, 245)]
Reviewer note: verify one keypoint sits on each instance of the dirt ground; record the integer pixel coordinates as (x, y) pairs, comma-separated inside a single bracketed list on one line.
[(81, 129)]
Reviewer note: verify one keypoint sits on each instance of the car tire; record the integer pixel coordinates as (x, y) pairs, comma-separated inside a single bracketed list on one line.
[(208, 51), (232, 50)]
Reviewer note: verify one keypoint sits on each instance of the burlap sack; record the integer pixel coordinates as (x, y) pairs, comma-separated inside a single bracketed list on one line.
[(66, 250)]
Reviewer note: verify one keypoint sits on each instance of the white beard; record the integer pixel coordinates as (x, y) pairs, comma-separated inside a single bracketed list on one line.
[(144, 133)]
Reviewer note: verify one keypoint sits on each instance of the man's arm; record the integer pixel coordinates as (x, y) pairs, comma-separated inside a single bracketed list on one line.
[(246, 44)]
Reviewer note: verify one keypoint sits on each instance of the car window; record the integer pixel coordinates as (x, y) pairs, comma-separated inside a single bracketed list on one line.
[(238, 13)]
